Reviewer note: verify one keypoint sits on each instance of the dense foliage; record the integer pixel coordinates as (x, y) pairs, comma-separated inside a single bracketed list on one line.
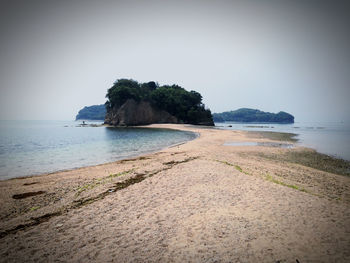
[(187, 106), (250, 115), (95, 112)]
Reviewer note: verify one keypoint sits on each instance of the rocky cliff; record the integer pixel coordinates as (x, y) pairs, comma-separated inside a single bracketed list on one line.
[(133, 113)]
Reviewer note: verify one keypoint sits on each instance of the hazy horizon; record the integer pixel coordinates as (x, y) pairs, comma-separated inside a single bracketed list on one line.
[(293, 56)]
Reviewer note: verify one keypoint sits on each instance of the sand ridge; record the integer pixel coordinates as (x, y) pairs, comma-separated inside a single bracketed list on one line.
[(196, 202)]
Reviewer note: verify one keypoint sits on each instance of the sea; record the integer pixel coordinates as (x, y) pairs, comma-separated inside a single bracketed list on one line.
[(331, 138), (38, 147)]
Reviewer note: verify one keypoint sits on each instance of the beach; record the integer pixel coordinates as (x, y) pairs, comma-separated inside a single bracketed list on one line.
[(201, 201)]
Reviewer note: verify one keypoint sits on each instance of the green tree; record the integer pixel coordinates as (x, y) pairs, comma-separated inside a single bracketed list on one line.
[(121, 91)]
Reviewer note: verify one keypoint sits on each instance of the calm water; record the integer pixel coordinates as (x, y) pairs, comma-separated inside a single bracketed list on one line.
[(329, 138), (36, 147)]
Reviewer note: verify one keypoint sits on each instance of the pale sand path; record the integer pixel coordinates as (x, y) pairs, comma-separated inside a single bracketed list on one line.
[(196, 207)]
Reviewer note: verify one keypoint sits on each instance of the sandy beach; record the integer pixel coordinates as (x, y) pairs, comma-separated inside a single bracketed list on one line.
[(201, 201)]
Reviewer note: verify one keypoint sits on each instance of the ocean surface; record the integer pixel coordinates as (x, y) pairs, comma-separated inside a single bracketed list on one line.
[(37, 147), (326, 137)]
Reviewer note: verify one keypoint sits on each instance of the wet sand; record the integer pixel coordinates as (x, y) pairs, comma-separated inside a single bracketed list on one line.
[(201, 201)]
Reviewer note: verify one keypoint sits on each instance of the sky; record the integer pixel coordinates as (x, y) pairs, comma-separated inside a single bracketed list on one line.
[(59, 56)]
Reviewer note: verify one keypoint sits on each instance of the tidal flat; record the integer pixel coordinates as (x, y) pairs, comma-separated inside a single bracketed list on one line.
[(198, 201)]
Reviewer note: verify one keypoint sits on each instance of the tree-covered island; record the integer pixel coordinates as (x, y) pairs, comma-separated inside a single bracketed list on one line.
[(133, 103), (252, 115), (94, 112)]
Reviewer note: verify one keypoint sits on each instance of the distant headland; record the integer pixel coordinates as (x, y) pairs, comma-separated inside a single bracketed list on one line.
[(94, 112), (253, 115)]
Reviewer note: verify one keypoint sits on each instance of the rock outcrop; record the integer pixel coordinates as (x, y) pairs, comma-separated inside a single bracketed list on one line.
[(133, 113)]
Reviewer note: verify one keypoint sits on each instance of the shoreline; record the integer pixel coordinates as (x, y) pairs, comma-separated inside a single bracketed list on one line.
[(256, 135), (177, 200), (267, 135), (98, 164)]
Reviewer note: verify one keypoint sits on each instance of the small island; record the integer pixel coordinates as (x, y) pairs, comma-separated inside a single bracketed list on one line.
[(130, 103), (94, 112), (253, 115)]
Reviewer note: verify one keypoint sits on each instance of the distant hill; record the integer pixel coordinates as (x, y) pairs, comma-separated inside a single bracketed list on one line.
[(94, 112), (251, 115)]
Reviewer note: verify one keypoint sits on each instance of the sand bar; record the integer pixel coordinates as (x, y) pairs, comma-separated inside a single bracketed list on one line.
[(202, 201)]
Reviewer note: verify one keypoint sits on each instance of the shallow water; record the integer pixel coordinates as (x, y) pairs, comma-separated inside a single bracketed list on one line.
[(36, 147), (265, 144), (326, 137)]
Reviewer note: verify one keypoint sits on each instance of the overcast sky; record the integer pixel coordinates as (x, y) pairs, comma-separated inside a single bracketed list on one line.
[(58, 56)]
